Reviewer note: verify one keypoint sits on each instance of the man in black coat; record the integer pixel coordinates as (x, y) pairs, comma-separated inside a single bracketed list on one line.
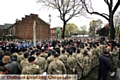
[(104, 66)]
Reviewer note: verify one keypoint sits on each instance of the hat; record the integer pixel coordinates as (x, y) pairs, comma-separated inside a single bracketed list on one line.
[(24, 50), (31, 58), (32, 52), (56, 54), (70, 52), (105, 52), (85, 52), (26, 55)]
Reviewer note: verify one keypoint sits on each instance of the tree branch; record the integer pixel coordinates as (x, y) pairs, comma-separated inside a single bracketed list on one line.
[(106, 1), (105, 14), (116, 6), (101, 14)]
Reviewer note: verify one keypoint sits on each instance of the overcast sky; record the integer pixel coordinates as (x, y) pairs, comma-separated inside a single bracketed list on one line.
[(10, 10)]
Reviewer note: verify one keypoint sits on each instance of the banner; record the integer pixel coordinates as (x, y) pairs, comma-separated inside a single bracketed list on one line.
[(38, 77)]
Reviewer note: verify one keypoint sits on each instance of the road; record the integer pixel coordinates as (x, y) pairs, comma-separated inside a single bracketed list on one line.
[(94, 73)]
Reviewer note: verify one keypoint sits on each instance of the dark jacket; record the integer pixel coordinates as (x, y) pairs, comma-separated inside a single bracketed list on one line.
[(12, 67), (1, 63), (104, 63)]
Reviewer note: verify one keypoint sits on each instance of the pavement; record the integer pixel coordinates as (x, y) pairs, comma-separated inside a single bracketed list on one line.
[(94, 73)]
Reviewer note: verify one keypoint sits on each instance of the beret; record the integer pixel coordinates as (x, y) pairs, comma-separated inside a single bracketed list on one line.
[(56, 55), (26, 54), (31, 58)]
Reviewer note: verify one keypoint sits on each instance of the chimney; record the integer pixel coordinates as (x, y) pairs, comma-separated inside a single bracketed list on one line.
[(27, 16)]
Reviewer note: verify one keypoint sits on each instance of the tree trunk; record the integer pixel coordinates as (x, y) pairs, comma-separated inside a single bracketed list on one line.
[(63, 33), (112, 30), (111, 24)]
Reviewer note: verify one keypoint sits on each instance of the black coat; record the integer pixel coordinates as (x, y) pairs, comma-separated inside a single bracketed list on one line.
[(1, 63), (104, 63), (104, 67)]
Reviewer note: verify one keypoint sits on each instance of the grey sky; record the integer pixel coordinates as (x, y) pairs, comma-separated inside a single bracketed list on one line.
[(10, 10)]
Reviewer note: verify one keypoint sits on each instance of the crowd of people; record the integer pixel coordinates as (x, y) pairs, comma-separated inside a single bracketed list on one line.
[(57, 56)]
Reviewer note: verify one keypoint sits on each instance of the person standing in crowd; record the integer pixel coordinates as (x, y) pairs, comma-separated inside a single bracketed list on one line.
[(50, 58), (115, 57), (41, 61), (85, 64), (33, 53), (63, 57), (24, 62), (11, 66), (43, 53), (71, 63), (104, 66), (56, 66), (21, 57), (31, 68), (79, 68)]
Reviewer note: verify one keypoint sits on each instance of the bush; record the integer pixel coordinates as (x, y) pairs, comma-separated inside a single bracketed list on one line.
[(9, 37)]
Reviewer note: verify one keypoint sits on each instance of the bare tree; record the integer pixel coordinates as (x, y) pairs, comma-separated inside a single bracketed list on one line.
[(117, 23), (67, 9), (109, 17)]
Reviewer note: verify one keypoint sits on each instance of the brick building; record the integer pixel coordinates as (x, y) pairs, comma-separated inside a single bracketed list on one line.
[(24, 28), (53, 31), (3, 29)]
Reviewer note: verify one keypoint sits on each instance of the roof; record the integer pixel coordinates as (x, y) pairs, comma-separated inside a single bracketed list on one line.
[(33, 16), (5, 26), (1, 26)]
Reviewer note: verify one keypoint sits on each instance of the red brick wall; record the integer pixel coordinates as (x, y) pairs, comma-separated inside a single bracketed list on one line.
[(24, 28), (53, 32)]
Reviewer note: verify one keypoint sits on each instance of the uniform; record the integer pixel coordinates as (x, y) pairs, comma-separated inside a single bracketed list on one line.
[(71, 65), (115, 56), (79, 67), (90, 59), (31, 69), (50, 59), (20, 58), (63, 58), (43, 54), (34, 55), (98, 52), (85, 65), (56, 67), (94, 52), (23, 63), (108, 48), (42, 63), (74, 54)]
